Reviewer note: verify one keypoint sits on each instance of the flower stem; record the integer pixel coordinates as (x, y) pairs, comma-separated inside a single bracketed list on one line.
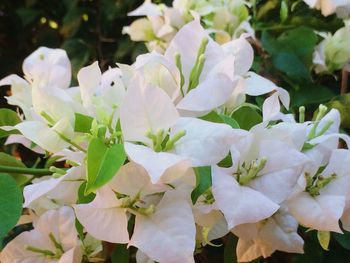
[(24, 170)]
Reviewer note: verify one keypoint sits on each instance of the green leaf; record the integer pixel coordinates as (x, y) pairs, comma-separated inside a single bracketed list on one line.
[(8, 118), (10, 204), (230, 121), (203, 182), (220, 118), (82, 123), (80, 229), (226, 162), (311, 94), (246, 117), (9, 160), (213, 117), (102, 163), (82, 198), (324, 238), (292, 51), (120, 254), (343, 239)]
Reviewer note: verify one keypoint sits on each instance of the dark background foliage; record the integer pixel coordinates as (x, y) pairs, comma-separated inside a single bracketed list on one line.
[(90, 30)]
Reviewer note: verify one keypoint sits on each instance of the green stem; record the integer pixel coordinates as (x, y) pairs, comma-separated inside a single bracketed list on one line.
[(24, 170), (71, 142), (274, 27)]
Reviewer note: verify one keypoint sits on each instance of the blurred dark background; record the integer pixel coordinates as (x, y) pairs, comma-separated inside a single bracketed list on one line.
[(88, 30)]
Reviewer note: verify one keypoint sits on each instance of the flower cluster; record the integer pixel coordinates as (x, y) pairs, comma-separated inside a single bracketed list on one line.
[(226, 19), (158, 155)]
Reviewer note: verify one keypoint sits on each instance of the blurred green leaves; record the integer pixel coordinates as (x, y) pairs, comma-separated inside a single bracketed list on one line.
[(292, 51), (10, 204), (88, 30)]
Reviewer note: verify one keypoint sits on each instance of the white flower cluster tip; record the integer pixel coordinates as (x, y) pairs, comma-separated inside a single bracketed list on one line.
[(155, 145), (227, 20)]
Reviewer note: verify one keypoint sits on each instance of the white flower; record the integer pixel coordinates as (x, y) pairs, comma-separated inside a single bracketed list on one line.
[(48, 67), (262, 176), (101, 94), (328, 7), (168, 218), (105, 218), (265, 237), (55, 191), (228, 20), (332, 52), (54, 239), (146, 115), (326, 195), (168, 235)]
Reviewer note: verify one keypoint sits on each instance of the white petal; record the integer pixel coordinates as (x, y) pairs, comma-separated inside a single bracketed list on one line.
[(241, 147), (34, 191), (208, 95), (321, 212), (332, 116), (61, 223), (188, 51), (278, 234), (132, 179), (277, 186), (240, 204), (103, 219), (155, 163), (146, 9), (145, 108), (338, 163), (169, 234), (295, 133), (17, 138), (73, 255), (205, 143), (247, 250), (257, 85), (89, 79), (42, 135), (261, 239), (243, 54), (53, 101), (14, 252), (324, 139), (49, 66), (20, 93), (271, 107), (283, 95), (280, 156), (159, 71)]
